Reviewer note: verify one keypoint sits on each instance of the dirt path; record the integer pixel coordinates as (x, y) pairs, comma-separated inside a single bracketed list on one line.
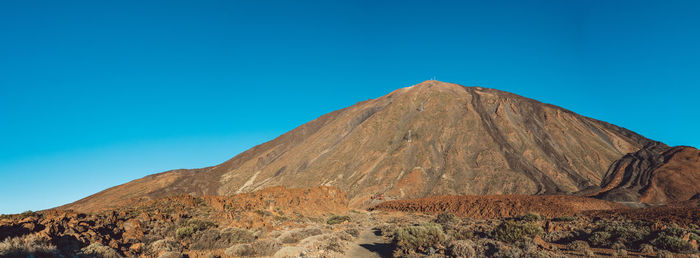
[(370, 244)]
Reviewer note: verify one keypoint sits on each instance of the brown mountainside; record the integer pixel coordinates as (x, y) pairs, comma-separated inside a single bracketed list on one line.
[(654, 175), (428, 139)]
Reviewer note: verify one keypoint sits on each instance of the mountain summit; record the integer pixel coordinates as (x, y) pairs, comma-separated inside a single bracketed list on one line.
[(427, 139)]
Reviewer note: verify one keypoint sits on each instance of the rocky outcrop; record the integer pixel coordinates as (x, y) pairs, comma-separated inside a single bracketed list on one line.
[(428, 139), (126, 230), (656, 174)]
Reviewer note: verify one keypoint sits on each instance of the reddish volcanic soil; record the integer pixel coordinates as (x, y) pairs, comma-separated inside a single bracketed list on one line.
[(499, 206), (681, 213)]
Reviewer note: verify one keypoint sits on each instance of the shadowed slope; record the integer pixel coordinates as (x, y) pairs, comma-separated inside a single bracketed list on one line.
[(428, 139)]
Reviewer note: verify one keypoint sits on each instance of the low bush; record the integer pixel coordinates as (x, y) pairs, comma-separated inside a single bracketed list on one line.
[(599, 238), (628, 234), (198, 225), (266, 247), (184, 232), (461, 233), (512, 231), (334, 244), (664, 254), (420, 238), (354, 232), (671, 239), (564, 219), (258, 248), (240, 250), (462, 248), (559, 236), (98, 250), (445, 218), (171, 255), (336, 219), (164, 245), (578, 245), (27, 246), (296, 235), (646, 248), (191, 226), (672, 243), (530, 216), (215, 239), (387, 229)]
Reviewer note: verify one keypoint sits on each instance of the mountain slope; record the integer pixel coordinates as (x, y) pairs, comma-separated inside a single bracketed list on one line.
[(427, 139), (654, 175)]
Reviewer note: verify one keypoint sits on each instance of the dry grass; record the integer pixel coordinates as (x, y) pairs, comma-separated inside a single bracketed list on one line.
[(27, 246)]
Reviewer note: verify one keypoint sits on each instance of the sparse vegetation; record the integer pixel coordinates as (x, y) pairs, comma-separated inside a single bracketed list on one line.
[(99, 250), (295, 235), (564, 219), (627, 233), (164, 245), (27, 246), (599, 238), (578, 245), (420, 238), (337, 219), (445, 218), (462, 248), (672, 243), (530, 217), (184, 232), (215, 239), (192, 226), (512, 231)]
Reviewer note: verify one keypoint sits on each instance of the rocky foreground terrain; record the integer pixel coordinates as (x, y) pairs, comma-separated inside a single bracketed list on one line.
[(317, 222)]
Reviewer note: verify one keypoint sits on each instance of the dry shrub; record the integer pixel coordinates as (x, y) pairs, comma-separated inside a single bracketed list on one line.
[(462, 248), (445, 218), (411, 239), (334, 244), (240, 250), (296, 235), (266, 247), (354, 232), (164, 245), (184, 232), (171, 255), (99, 250), (531, 216), (647, 249), (215, 239), (512, 231), (564, 219), (627, 233), (336, 219), (27, 246), (387, 229), (671, 239), (578, 245)]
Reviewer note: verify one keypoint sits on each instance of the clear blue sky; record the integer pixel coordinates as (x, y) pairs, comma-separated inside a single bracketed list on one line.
[(98, 93)]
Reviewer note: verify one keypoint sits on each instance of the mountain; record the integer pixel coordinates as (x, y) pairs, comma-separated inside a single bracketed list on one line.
[(428, 139)]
